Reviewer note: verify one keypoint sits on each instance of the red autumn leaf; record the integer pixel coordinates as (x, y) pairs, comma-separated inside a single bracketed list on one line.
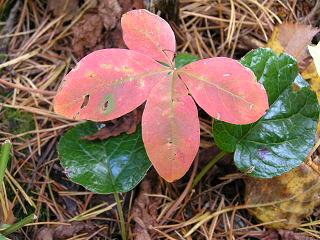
[(170, 128), (225, 89), (149, 34), (107, 84)]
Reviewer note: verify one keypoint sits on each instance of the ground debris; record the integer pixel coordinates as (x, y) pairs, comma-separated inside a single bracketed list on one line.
[(293, 38), (283, 235), (90, 25), (102, 24), (64, 231), (59, 7), (145, 208), (7, 216), (125, 124), (296, 194)]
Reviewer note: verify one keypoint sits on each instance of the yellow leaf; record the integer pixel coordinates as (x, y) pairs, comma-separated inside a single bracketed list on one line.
[(315, 53), (274, 42), (295, 195)]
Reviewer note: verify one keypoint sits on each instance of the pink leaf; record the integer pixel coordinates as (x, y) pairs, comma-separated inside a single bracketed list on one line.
[(107, 84), (170, 128), (225, 89), (149, 34)]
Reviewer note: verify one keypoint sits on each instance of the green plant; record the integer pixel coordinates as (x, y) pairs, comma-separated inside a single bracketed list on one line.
[(109, 83)]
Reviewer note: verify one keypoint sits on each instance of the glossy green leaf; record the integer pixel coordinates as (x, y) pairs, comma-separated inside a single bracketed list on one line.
[(282, 139), (117, 164), (184, 59)]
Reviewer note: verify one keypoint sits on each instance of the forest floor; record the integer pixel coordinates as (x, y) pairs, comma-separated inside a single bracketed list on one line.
[(42, 40)]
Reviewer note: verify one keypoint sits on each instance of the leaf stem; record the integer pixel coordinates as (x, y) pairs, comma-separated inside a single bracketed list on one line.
[(4, 158), (20, 224), (207, 168), (121, 217)]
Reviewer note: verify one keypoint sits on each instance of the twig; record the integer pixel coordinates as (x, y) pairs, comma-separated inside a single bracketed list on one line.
[(18, 86)]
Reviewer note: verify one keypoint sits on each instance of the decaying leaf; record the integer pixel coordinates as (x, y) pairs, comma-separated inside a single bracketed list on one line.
[(311, 74), (7, 216), (125, 124), (101, 23), (66, 7), (89, 25), (315, 53), (280, 234), (64, 231), (145, 208), (110, 12), (292, 38), (296, 194)]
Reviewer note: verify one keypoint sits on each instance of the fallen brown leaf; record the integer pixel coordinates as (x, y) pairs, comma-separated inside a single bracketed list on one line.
[(64, 231), (144, 211), (125, 124), (67, 7), (293, 39), (283, 235), (110, 13), (297, 194), (8, 217), (87, 34)]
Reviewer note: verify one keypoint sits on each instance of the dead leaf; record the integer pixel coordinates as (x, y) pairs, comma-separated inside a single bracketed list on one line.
[(67, 7), (100, 27), (7, 217), (110, 13), (144, 211), (292, 39), (283, 235), (311, 75), (64, 231), (290, 235), (297, 191), (125, 124), (128, 5), (315, 53), (87, 34)]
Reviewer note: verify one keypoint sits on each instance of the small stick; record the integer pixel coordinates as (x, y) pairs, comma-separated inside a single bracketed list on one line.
[(18, 86)]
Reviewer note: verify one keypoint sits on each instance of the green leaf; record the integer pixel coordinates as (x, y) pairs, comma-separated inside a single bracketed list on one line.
[(282, 139), (117, 164), (3, 237), (184, 59)]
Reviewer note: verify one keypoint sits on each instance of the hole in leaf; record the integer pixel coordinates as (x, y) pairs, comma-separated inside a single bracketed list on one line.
[(105, 105), (108, 104), (76, 115), (85, 101)]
